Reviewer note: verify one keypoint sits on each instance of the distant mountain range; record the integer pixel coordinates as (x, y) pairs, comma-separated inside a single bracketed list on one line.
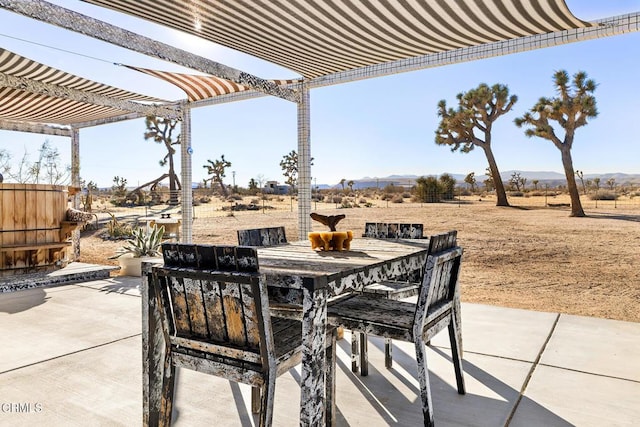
[(544, 177)]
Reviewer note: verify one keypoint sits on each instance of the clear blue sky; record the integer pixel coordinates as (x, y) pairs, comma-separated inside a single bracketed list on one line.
[(373, 128)]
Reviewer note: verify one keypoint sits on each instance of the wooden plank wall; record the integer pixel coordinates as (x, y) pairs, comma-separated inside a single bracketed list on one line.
[(31, 215)]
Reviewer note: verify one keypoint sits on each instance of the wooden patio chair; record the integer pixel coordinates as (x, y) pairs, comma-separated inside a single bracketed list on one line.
[(215, 315), (269, 236), (438, 307), (396, 289)]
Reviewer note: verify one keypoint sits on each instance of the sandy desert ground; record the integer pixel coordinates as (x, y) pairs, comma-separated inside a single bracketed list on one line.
[(532, 257)]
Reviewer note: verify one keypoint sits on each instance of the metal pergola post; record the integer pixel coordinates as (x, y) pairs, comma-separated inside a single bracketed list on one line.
[(186, 176), (304, 162)]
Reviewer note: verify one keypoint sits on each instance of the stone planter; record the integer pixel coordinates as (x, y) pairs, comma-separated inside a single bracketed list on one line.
[(130, 266)]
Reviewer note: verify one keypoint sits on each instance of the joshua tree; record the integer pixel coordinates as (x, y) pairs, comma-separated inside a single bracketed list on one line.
[(350, 184), (161, 131), (289, 165), (488, 183), (518, 181), (580, 176), (471, 180), (216, 169), (477, 110), (571, 109)]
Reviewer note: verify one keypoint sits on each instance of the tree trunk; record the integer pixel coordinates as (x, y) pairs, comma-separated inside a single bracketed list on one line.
[(572, 186), (497, 180), (225, 193), (173, 193)]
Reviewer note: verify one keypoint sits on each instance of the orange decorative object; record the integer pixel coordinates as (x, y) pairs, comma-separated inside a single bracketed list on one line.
[(316, 240), (331, 240)]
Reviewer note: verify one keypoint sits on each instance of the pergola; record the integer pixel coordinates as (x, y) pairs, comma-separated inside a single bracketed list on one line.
[(326, 42)]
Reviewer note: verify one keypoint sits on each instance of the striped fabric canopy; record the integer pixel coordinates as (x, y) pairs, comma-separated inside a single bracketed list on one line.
[(199, 87), (22, 105), (319, 37)]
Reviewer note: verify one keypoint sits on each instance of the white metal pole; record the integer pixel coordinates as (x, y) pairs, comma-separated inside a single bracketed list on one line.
[(304, 163), (186, 176)]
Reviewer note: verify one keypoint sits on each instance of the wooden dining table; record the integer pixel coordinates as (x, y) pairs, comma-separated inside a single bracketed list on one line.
[(299, 275)]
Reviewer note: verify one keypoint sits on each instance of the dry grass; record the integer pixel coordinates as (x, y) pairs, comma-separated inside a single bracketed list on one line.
[(533, 258)]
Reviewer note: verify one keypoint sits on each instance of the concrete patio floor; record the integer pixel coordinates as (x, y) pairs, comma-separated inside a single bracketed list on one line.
[(71, 356)]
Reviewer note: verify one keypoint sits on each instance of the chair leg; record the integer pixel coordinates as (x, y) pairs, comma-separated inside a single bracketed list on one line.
[(330, 401), (267, 392), (166, 396), (425, 387), (456, 354), (388, 359), (364, 355), (255, 400), (355, 351)]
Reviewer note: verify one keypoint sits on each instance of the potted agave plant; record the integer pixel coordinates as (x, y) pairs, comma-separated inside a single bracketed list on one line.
[(142, 246)]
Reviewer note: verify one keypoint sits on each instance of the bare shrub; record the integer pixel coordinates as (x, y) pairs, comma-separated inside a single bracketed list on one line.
[(397, 199), (603, 195)]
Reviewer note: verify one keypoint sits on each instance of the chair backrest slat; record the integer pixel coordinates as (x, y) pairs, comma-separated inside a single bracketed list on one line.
[(251, 316), (180, 306), (215, 311), (442, 241), (196, 308), (233, 319), (210, 257), (384, 230), (268, 236)]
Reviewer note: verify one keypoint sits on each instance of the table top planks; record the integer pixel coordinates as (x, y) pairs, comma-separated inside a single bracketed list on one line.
[(368, 260)]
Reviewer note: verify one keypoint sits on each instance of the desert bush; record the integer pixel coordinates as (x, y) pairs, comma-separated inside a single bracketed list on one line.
[(363, 200), (232, 197), (428, 189), (516, 194), (397, 199), (116, 229), (386, 196), (336, 199), (390, 188), (406, 195), (603, 195)]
